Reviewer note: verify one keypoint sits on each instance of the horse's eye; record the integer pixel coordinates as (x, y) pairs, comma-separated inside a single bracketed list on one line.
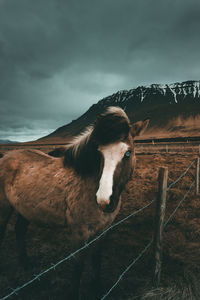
[(127, 154)]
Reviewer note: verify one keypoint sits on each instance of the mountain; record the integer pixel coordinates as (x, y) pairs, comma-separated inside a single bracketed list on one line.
[(174, 110), (7, 142)]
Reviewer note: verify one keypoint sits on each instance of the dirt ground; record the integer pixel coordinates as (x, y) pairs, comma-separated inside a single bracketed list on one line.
[(180, 277)]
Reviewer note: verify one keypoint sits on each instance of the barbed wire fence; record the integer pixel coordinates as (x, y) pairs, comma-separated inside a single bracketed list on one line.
[(164, 226), (169, 148), (149, 244)]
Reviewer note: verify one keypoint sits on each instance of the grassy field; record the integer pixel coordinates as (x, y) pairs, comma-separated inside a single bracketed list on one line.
[(181, 258)]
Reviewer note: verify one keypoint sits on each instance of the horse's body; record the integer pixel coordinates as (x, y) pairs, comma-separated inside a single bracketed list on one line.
[(42, 190), (80, 190)]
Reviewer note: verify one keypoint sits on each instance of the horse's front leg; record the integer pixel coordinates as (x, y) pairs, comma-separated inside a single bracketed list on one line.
[(77, 270), (96, 257), (21, 227)]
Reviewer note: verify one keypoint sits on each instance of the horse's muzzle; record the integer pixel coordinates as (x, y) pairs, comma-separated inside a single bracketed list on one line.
[(103, 204), (106, 206)]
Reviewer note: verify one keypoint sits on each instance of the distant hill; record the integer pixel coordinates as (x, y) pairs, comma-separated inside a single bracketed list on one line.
[(174, 110), (8, 142)]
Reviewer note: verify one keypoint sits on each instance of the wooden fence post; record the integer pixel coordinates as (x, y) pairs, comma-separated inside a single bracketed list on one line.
[(159, 222), (197, 177)]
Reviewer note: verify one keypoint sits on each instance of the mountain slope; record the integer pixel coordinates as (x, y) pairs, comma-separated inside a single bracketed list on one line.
[(174, 110)]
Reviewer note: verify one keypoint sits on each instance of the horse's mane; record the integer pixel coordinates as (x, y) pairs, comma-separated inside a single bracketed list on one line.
[(80, 151), (109, 126), (80, 141)]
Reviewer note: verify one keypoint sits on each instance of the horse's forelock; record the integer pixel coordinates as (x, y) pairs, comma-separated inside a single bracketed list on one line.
[(111, 126), (115, 110)]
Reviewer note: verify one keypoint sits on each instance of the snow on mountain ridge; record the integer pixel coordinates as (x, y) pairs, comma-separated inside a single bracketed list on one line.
[(176, 92)]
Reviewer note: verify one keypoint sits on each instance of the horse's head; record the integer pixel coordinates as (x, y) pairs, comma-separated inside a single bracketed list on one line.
[(114, 136), (106, 148)]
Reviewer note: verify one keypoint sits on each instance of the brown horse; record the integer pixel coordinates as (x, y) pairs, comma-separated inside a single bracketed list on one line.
[(80, 190)]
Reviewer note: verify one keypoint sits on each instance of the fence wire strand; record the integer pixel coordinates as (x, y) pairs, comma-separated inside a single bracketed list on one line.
[(127, 269), (149, 244), (170, 217), (53, 266), (181, 176)]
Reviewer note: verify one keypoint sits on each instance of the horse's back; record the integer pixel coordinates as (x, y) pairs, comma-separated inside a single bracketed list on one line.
[(28, 180), (23, 154), (15, 161)]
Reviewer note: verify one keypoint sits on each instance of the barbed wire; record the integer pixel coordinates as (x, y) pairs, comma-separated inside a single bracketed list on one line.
[(127, 269), (148, 245), (180, 202), (54, 266), (181, 176)]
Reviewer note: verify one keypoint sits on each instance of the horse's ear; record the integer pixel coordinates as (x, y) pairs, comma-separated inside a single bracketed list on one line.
[(139, 127)]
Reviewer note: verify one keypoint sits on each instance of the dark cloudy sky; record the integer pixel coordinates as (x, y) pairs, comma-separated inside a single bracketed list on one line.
[(58, 57)]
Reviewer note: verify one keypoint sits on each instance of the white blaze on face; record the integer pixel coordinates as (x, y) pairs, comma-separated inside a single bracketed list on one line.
[(113, 154)]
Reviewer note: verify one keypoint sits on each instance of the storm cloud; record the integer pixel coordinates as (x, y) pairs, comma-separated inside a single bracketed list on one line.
[(58, 57)]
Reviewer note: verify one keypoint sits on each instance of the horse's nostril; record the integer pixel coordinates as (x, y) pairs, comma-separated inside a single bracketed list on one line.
[(103, 204)]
